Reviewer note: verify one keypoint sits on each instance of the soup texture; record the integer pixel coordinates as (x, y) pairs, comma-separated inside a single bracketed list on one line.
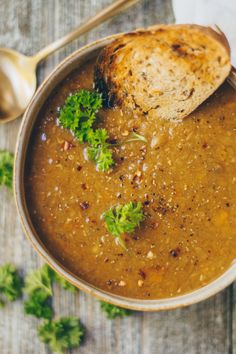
[(184, 175)]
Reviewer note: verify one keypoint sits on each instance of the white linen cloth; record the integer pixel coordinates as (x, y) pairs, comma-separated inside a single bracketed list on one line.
[(209, 12)]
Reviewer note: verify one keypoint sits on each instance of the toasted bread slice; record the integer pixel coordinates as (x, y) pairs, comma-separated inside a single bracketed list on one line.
[(166, 70)]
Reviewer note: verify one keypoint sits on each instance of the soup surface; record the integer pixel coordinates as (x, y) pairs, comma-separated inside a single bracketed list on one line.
[(185, 176)]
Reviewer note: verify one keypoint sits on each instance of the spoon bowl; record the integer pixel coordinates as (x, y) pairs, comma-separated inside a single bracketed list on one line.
[(18, 72), (17, 83)]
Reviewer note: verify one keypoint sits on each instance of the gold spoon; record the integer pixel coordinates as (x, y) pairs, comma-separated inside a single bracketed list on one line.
[(18, 72)]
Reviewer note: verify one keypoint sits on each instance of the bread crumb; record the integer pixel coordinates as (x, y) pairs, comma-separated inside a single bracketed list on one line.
[(140, 283), (122, 283), (125, 133), (150, 255), (154, 142)]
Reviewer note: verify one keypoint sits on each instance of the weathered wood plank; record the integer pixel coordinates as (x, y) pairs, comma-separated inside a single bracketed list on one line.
[(206, 328)]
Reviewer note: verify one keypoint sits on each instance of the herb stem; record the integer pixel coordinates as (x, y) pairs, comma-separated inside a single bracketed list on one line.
[(133, 137)]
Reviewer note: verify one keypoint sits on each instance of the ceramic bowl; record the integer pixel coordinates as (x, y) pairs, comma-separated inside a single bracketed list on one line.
[(62, 70)]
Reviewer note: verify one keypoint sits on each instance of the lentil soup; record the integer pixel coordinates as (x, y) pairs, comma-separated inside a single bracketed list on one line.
[(185, 177)]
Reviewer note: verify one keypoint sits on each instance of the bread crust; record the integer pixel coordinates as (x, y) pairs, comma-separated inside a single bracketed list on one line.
[(164, 70)]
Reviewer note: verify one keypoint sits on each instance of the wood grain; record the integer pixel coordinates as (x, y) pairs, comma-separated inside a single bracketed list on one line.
[(205, 328)]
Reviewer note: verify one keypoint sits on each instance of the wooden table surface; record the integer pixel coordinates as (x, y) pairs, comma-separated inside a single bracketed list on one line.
[(205, 328)]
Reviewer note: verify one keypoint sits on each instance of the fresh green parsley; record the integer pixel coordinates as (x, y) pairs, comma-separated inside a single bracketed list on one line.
[(39, 305), (60, 335), (99, 150), (113, 311), (39, 279), (38, 287), (122, 219), (10, 283), (79, 113), (6, 168)]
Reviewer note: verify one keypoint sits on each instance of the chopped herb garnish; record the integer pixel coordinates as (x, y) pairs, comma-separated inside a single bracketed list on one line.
[(98, 137), (6, 168), (122, 219), (10, 283), (79, 113), (100, 151), (60, 335), (113, 311)]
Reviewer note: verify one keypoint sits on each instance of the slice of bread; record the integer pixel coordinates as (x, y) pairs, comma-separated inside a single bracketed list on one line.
[(166, 70)]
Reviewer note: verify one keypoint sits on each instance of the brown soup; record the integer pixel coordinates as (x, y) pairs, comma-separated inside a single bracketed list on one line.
[(185, 176)]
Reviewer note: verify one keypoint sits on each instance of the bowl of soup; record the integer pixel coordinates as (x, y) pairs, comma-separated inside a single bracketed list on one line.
[(184, 174)]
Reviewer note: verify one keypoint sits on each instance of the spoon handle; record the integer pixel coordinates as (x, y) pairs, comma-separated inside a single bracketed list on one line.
[(102, 16)]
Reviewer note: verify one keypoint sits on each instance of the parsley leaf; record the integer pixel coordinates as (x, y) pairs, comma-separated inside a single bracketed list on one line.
[(39, 279), (38, 287), (98, 137), (39, 305), (113, 311), (79, 113), (10, 283), (122, 219), (60, 335), (6, 168), (99, 151)]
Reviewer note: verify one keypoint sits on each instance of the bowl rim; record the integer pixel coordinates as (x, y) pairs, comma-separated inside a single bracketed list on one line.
[(22, 144)]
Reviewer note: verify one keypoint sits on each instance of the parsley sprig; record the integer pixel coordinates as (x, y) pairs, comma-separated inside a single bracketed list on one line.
[(122, 219), (39, 305), (38, 287), (60, 335), (64, 333), (99, 150), (113, 311), (6, 168), (39, 279), (78, 114), (10, 283)]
